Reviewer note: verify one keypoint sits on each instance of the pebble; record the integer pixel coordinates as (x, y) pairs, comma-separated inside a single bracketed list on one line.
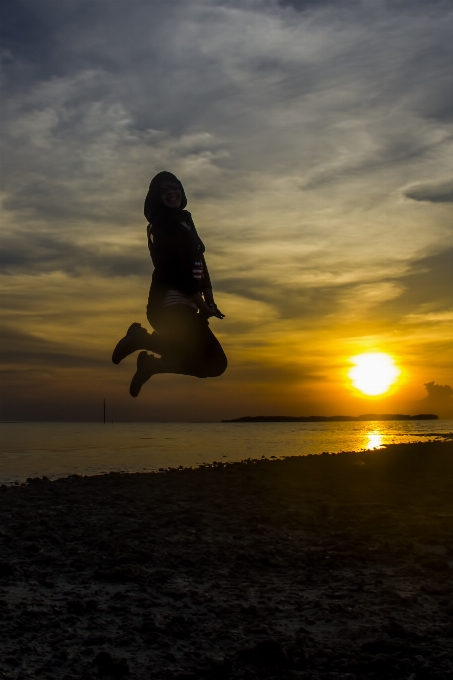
[(449, 609), (196, 574)]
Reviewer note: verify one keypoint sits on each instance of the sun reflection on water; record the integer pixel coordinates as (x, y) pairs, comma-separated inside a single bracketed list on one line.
[(374, 440)]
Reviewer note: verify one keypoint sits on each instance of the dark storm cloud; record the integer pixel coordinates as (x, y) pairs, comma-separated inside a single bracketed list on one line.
[(34, 34), (422, 293), (130, 44), (432, 192), (18, 348), (428, 280), (426, 294), (34, 254), (304, 5), (309, 303), (438, 392)]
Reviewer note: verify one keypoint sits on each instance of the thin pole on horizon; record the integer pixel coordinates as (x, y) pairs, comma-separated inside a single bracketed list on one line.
[(104, 411)]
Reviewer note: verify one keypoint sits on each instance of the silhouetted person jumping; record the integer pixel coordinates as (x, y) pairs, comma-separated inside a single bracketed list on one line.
[(180, 298)]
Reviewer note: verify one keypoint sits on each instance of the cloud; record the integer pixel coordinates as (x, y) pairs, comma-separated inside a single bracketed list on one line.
[(38, 253), (306, 96), (431, 192), (438, 392), (23, 349), (304, 5), (294, 125), (248, 105), (424, 300)]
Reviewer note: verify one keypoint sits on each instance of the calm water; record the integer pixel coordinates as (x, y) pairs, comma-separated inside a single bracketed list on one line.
[(60, 449)]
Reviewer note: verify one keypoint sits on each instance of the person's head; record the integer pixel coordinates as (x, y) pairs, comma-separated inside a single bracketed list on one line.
[(170, 194), (165, 191)]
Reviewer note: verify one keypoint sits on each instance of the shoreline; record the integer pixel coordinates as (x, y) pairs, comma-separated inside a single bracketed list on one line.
[(297, 567), (104, 448), (365, 418)]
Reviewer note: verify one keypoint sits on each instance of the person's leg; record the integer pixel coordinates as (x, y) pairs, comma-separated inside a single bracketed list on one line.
[(188, 344), (188, 347), (136, 338), (208, 360)]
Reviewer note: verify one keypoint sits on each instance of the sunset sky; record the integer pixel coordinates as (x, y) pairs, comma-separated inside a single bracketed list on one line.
[(314, 142)]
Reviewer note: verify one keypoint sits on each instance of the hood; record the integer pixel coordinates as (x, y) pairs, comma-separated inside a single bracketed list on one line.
[(153, 202)]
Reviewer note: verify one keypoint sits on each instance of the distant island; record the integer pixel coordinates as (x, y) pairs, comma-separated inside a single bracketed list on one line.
[(330, 419)]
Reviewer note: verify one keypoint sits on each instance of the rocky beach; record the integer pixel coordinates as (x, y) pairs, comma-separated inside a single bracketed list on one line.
[(335, 567)]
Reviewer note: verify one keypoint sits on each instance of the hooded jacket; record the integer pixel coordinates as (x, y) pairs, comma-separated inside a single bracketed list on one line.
[(176, 249)]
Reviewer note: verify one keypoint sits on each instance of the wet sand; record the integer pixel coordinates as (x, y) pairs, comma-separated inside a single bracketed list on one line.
[(333, 566)]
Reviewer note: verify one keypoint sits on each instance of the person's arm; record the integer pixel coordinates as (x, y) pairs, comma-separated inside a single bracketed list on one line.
[(207, 285), (208, 295), (170, 257)]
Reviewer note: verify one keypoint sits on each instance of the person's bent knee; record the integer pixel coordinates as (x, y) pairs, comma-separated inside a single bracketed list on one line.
[(219, 367), (213, 371), (224, 365)]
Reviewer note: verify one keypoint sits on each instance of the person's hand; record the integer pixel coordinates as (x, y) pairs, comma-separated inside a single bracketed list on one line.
[(215, 311), (210, 310), (207, 307), (209, 300)]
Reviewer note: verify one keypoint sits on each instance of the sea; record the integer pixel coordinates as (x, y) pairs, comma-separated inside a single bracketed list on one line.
[(56, 450)]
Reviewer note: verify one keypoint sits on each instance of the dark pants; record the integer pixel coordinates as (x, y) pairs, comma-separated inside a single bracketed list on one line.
[(185, 342)]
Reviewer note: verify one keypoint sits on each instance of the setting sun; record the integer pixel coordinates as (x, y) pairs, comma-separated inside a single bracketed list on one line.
[(373, 373)]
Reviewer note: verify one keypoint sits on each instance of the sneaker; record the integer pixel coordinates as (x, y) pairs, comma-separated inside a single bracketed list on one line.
[(131, 342), (145, 369)]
